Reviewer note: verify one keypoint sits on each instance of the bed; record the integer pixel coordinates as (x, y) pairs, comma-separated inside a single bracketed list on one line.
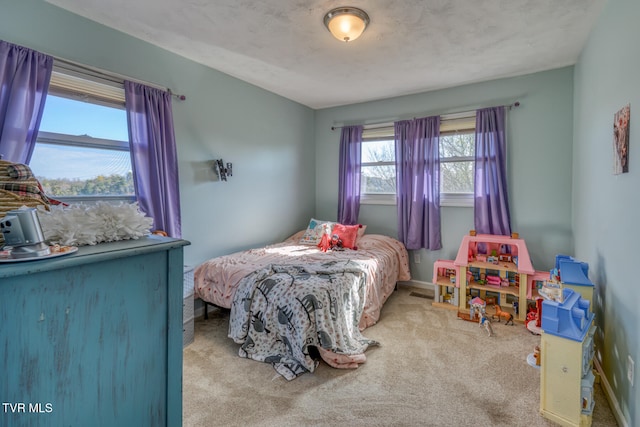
[(291, 302)]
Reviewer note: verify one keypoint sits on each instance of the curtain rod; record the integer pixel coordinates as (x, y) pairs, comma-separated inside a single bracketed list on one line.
[(111, 76), (509, 106)]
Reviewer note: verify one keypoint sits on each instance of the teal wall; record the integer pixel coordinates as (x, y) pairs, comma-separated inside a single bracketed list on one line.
[(605, 206), (564, 198), (539, 161), (269, 139)]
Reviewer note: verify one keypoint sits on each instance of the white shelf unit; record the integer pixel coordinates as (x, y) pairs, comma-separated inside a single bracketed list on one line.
[(566, 379), (566, 361)]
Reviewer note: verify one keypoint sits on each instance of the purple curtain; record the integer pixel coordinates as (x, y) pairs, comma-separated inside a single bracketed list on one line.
[(418, 182), (153, 155), (349, 175), (24, 81), (491, 207)]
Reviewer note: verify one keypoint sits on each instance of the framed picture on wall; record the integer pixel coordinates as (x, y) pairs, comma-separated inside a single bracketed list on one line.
[(621, 140)]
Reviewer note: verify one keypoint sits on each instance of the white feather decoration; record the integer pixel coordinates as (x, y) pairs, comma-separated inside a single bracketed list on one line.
[(79, 225)]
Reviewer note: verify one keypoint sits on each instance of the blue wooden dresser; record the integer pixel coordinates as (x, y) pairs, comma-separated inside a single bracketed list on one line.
[(95, 337)]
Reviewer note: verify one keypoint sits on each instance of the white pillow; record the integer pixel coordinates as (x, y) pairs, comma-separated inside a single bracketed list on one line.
[(315, 230), (361, 230)]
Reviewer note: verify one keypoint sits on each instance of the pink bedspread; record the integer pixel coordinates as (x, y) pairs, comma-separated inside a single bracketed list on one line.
[(387, 260)]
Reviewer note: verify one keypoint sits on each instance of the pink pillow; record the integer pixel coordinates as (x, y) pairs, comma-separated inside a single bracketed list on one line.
[(348, 234)]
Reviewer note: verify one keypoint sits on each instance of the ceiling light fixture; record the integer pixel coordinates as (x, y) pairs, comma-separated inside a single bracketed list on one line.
[(346, 23)]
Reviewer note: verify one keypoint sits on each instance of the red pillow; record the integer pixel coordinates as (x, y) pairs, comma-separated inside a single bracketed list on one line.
[(348, 234)]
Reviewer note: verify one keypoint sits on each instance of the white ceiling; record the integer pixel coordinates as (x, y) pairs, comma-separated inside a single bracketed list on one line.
[(411, 46)]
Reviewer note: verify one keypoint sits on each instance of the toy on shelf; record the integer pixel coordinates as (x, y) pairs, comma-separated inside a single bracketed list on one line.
[(534, 317), (569, 318), (497, 281), (505, 258), (574, 275), (551, 291), (494, 281), (446, 288), (536, 282), (477, 307)]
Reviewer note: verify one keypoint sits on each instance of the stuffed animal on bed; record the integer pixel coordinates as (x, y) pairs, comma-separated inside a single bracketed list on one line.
[(334, 243)]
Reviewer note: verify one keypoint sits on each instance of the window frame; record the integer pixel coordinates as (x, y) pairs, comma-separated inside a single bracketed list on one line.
[(376, 133), (458, 199), (79, 84), (451, 123)]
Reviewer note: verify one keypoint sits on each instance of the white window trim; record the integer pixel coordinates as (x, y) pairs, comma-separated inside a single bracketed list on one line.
[(90, 200), (377, 199), (81, 141), (378, 132), (446, 199), (89, 142), (450, 123), (461, 200), (381, 163), (81, 84)]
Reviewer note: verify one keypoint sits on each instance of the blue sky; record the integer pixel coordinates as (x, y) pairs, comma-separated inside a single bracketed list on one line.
[(62, 115)]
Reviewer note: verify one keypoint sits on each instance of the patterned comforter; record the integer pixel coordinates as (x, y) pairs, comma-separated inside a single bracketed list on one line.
[(281, 312), (385, 259), (289, 298)]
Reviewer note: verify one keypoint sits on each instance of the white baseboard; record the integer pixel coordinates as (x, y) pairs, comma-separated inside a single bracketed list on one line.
[(608, 391), (418, 284)]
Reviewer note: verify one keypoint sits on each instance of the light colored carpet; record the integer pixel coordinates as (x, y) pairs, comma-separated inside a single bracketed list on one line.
[(432, 369)]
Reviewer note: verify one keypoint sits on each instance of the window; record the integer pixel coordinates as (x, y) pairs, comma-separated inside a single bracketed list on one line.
[(378, 173), (457, 159), (82, 149)]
